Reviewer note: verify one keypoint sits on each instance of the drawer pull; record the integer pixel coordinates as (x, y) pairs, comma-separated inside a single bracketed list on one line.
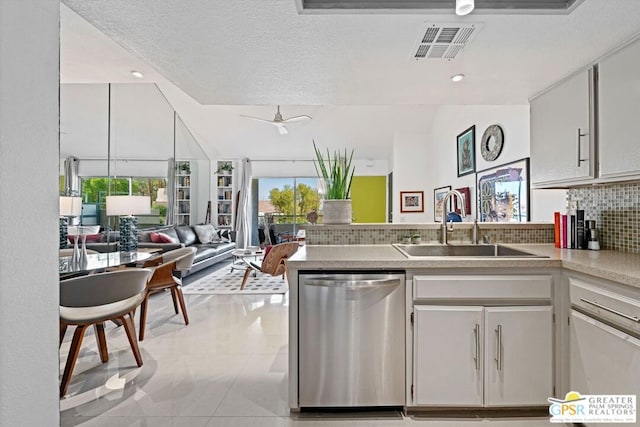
[(611, 310)]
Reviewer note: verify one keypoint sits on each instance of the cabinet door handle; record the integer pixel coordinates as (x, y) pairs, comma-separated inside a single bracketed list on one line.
[(476, 335), (580, 135), (498, 358)]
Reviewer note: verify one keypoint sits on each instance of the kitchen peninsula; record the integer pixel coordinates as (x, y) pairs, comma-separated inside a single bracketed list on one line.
[(511, 320)]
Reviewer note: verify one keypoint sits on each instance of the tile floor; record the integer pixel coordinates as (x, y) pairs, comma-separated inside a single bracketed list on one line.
[(227, 368)]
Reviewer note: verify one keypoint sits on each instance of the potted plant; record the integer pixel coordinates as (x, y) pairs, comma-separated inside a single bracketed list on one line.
[(336, 172), (224, 168)]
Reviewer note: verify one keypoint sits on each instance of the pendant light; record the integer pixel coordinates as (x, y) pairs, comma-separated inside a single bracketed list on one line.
[(464, 7)]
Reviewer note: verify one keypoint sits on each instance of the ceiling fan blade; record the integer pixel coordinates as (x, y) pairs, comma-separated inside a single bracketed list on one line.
[(283, 130), (256, 118), (297, 118)]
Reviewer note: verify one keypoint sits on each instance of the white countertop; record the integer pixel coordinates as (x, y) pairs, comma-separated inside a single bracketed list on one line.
[(612, 265)]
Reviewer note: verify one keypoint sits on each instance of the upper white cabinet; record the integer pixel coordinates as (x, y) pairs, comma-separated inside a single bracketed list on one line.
[(619, 110), (562, 137)]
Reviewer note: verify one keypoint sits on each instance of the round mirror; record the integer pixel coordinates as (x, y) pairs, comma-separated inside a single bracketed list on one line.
[(492, 141)]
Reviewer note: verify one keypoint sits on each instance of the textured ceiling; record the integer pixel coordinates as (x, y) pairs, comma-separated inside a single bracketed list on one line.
[(352, 73), (264, 52)]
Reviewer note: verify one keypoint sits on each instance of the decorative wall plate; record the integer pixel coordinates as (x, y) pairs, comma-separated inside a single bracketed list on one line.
[(491, 144)]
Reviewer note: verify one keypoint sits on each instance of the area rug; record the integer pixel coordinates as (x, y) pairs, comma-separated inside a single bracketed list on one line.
[(223, 281)]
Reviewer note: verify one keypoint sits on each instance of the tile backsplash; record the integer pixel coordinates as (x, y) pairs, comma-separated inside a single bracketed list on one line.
[(616, 209), (378, 234)]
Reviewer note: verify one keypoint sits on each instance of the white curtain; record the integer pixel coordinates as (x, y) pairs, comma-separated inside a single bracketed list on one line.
[(71, 177), (243, 215)]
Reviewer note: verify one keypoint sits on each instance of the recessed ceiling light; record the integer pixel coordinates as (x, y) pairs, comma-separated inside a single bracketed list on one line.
[(464, 7), (137, 74), (457, 78)]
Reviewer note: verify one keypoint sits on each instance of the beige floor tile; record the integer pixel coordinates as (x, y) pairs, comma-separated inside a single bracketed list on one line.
[(227, 368)]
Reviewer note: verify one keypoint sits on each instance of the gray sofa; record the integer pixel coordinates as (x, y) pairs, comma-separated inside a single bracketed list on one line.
[(207, 254)]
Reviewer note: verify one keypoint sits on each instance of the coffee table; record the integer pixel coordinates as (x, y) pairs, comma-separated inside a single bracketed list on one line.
[(241, 258)]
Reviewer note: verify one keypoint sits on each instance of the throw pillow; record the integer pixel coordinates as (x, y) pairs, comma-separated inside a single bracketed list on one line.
[(90, 238), (162, 238), (206, 233)]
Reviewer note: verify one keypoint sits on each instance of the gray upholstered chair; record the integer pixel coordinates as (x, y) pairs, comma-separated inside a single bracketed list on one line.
[(163, 278), (94, 299)]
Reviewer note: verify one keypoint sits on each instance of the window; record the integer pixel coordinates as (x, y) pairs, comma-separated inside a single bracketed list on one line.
[(285, 202), (95, 189)]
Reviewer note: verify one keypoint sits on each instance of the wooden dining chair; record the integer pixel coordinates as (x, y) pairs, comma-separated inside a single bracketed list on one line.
[(273, 262), (95, 299), (163, 278)]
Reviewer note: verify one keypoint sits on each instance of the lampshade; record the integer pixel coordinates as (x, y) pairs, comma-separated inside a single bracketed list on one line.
[(70, 206), (128, 205), (464, 7)]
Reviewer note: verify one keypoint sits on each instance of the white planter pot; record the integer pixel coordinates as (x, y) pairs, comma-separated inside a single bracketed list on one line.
[(336, 212)]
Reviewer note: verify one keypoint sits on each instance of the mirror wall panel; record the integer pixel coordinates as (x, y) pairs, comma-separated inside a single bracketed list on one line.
[(125, 138), (141, 145), (188, 151), (84, 141)]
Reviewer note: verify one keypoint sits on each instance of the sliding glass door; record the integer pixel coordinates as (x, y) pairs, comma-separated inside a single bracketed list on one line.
[(284, 204)]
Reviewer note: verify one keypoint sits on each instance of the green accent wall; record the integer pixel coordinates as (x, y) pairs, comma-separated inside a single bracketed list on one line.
[(369, 198)]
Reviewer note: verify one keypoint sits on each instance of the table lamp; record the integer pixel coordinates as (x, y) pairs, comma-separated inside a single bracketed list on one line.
[(69, 207), (126, 207)]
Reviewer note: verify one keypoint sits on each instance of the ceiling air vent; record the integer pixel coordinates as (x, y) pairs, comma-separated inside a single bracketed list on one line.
[(444, 41)]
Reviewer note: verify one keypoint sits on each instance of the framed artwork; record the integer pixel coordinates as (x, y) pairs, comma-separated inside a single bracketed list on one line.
[(411, 201), (466, 194), (466, 143), (438, 198), (503, 193)]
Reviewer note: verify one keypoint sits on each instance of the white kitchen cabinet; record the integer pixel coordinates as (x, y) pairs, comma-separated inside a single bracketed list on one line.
[(473, 356), (482, 340), (619, 109), (604, 331), (519, 356), (562, 142), (447, 356)]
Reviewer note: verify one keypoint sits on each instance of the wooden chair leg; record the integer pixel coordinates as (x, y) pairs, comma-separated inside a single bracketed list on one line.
[(72, 358), (102, 342), (63, 330), (143, 316), (246, 276), (130, 328), (175, 300), (183, 307)]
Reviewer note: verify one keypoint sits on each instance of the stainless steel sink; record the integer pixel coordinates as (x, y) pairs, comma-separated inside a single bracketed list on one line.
[(424, 251)]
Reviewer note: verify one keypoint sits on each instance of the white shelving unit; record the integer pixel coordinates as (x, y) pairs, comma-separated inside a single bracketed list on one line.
[(225, 201), (183, 193)]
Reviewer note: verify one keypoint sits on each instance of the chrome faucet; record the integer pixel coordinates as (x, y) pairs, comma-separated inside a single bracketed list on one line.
[(445, 200)]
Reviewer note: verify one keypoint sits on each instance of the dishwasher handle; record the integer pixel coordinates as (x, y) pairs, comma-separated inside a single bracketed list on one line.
[(352, 284), (611, 310)]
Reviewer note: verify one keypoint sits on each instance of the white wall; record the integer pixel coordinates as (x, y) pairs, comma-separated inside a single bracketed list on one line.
[(29, 71), (305, 168), (429, 161), (412, 172)]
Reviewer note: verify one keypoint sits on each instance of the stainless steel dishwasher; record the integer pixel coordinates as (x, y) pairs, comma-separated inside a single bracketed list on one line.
[(351, 342)]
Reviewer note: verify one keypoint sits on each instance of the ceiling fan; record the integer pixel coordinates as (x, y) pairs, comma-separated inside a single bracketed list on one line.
[(279, 121)]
